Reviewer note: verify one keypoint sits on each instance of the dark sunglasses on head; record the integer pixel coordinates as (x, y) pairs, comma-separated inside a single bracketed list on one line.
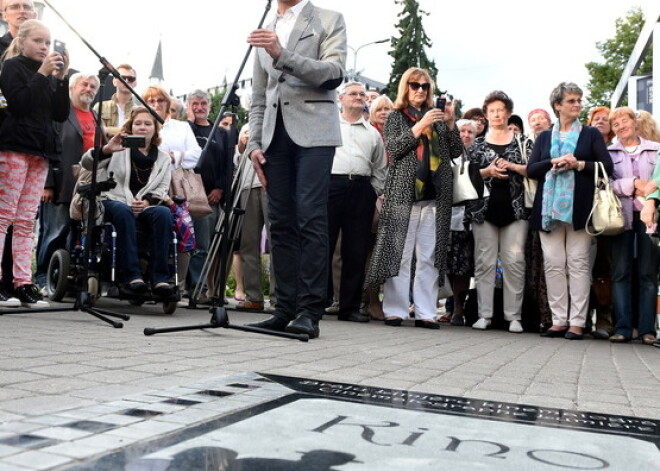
[(416, 86), (128, 78)]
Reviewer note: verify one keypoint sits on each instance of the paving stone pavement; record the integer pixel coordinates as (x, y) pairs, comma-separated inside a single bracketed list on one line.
[(54, 365)]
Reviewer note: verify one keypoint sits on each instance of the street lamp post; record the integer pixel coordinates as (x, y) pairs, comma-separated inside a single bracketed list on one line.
[(356, 50)]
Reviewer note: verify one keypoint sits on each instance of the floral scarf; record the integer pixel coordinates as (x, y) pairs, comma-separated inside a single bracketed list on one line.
[(559, 187), (427, 153)]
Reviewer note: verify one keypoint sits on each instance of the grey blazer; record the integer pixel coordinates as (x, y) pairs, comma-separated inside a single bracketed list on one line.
[(302, 82)]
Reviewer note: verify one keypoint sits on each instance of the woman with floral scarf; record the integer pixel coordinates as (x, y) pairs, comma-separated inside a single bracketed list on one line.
[(563, 161), (414, 223)]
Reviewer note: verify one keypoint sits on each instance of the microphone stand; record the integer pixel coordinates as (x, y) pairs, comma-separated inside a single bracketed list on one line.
[(84, 300), (226, 234), (105, 63)]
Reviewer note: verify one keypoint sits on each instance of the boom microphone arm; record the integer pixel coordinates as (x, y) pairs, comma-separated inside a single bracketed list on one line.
[(106, 63)]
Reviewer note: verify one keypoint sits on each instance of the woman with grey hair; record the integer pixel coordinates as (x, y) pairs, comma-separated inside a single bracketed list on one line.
[(499, 221), (563, 161)]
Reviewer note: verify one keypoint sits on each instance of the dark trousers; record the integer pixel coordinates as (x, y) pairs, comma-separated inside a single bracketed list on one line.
[(298, 180), (159, 221), (627, 246), (351, 205)]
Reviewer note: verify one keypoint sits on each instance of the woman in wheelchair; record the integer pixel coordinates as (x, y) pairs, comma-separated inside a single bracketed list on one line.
[(143, 179)]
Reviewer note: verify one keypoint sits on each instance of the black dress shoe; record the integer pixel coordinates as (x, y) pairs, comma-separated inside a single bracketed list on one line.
[(427, 324), (394, 321), (552, 333), (304, 325), (353, 317), (273, 323), (573, 336), (163, 289)]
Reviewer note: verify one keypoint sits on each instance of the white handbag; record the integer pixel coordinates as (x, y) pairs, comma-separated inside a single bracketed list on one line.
[(606, 216), (529, 183), (468, 184)]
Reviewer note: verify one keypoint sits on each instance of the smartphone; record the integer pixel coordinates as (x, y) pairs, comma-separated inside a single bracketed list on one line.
[(440, 102), (58, 46), (134, 142)]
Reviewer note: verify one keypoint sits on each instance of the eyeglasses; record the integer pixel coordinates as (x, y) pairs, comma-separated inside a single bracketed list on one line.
[(128, 78), (416, 86), (19, 6), (160, 101), (574, 101), (362, 94)]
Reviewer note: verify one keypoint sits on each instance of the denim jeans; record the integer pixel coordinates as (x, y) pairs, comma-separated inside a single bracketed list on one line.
[(159, 221), (626, 247)]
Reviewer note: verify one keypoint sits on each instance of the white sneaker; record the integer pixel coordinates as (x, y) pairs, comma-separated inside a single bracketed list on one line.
[(37, 304), (10, 302), (515, 327), (333, 309), (482, 324)]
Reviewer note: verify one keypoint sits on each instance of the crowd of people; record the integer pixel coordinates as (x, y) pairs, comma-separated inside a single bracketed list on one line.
[(352, 191)]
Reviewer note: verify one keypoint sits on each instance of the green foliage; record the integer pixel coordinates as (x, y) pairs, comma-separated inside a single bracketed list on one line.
[(216, 103), (616, 52), (408, 50)]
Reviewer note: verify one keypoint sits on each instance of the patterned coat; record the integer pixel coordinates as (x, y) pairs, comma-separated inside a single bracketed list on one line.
[(400, 196)]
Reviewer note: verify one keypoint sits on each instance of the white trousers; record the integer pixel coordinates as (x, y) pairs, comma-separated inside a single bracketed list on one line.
[(509, 243), (420, 239), (567, 272)]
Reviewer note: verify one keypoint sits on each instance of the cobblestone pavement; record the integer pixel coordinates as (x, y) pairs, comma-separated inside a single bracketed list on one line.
[(51, 363)]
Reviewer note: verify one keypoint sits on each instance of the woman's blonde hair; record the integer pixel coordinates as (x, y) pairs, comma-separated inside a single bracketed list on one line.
[(646, 126), (24, 31), (382, 101), (410, 75)]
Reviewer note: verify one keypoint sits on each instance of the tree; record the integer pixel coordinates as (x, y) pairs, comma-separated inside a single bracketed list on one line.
[(408, 49), (616, 52), (216, 101)]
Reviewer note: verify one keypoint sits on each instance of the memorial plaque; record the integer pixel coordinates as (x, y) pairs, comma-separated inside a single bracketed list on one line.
[(315, 425)]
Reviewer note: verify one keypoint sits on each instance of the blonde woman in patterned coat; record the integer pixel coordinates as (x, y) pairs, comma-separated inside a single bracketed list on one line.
[(415, 219)]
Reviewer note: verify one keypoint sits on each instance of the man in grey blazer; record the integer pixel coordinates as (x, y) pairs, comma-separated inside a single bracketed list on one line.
[(294, 129)]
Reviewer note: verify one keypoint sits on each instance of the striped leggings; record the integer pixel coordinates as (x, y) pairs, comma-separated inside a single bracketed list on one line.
[(22, 179)]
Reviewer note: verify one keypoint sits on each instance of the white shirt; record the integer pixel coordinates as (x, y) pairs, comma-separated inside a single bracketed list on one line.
[(362, 153), (178, 137), (284, 23)]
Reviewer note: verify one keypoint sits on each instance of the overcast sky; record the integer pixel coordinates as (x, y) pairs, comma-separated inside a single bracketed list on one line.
[(524, 47)]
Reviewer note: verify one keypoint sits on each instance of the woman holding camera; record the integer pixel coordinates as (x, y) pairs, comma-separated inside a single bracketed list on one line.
[(35, 85), (143, 180), (499, 222), (421, 140)]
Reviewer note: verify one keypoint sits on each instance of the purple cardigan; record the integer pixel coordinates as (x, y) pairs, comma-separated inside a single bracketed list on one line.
[(623, 181)]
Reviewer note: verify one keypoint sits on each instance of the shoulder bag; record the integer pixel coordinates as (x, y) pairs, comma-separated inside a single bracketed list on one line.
[(606, 216), (529, 183), (468, 184), (188, 184)]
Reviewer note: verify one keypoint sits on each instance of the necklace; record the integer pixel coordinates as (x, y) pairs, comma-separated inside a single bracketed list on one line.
[(146, 173)]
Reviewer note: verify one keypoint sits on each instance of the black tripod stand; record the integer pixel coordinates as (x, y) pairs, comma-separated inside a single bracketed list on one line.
[(226, 235), (83, 300)]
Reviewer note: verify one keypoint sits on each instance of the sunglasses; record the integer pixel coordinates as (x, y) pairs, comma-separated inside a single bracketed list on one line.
[(128, 78), (416, 86)]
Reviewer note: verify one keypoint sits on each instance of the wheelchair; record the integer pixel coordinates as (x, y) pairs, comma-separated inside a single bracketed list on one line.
[(66, 270)]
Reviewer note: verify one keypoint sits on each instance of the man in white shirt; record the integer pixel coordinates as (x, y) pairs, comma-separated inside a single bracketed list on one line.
[(358, 177)]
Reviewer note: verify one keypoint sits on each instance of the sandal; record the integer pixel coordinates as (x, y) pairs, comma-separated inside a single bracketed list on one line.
[(444, 318)]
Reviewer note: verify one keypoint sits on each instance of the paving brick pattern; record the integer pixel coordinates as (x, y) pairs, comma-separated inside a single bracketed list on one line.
[(58, 369)]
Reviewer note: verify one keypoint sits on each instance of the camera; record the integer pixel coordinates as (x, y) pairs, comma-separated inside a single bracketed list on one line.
[(133, 142), (440, 102)]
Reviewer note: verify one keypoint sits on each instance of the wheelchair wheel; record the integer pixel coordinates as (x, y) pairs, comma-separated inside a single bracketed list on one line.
[(93, 289), (169, 307), (57, 277)]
